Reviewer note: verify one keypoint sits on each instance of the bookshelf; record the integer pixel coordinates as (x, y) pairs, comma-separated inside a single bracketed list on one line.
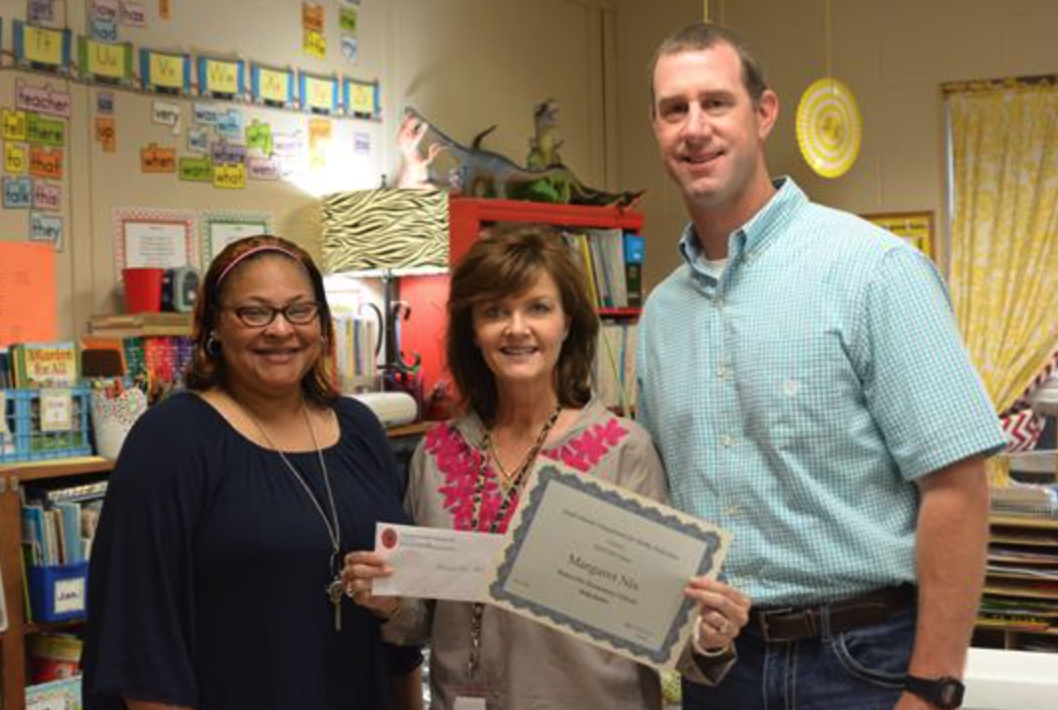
[(467, 217), (12, 641), (1019, 609)]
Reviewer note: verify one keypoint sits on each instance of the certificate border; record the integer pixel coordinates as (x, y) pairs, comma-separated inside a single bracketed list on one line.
[(663, 656)]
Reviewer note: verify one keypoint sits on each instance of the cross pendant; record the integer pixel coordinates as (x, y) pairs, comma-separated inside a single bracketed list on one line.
[(336, 590)]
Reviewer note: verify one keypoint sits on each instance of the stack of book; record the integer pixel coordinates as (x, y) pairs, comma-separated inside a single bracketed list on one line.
[(59, 524), (614, 373), (612, 261)]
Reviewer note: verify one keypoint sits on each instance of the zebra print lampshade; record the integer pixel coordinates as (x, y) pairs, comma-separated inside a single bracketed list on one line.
[(385, 228)]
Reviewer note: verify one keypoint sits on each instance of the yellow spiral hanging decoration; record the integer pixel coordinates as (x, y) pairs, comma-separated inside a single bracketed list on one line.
[(829, 127)]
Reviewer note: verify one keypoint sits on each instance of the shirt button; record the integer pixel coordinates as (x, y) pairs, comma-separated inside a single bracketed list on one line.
[(727, 440)]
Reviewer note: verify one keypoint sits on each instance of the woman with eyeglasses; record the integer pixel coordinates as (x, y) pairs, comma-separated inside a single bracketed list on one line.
[(215, 574)]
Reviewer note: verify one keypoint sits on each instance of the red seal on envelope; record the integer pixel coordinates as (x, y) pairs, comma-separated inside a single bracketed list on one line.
[(389, 538)]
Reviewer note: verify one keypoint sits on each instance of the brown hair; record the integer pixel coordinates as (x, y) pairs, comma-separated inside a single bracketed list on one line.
[(207, 369), (704, 35), (505, 263)]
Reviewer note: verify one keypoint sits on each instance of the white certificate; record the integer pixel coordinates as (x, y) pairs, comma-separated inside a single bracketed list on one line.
[(605, 565), (433, 563)]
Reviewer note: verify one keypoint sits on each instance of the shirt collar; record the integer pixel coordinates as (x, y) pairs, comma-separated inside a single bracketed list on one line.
[(755, 235)]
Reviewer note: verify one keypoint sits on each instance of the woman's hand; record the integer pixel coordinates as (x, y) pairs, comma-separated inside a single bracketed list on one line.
[(723, 611), (360, 570)]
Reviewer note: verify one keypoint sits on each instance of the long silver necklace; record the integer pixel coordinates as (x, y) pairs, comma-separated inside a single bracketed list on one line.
[(335, 589)]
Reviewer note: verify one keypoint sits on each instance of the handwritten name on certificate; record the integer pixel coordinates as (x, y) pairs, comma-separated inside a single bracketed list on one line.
[(605, 565), (435, 563)]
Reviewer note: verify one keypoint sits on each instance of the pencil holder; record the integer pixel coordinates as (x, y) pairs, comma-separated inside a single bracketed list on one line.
[(113, 414)]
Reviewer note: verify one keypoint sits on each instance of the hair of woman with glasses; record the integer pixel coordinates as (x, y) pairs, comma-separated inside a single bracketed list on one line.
[(230, 508)]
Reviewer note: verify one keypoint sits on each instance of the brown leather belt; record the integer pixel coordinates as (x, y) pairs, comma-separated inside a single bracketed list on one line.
[(794, 624)]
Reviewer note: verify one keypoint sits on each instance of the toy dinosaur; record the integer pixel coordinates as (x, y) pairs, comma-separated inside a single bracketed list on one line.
[(432, 159), (543, 147)]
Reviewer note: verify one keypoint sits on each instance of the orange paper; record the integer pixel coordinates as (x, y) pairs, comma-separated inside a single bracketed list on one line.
[(27, 293)]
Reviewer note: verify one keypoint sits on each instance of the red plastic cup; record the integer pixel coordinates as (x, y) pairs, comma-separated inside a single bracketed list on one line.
[(143, 289)]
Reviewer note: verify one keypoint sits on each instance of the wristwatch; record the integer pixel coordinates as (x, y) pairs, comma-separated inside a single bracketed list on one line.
[(945, 692)]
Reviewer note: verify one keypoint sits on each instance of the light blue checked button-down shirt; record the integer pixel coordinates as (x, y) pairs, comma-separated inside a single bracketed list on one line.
[(796, 397)]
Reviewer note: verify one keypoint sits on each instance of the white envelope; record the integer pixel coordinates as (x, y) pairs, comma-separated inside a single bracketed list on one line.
[(434, 563)]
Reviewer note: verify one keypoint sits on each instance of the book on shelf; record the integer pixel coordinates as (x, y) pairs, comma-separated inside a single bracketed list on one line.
[(51, 365), (58, 523), (61, 694), (635, 255)]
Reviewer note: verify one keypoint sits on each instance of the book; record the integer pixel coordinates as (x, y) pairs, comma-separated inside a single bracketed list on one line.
[(634, 253), (62, 694), (46, 364)]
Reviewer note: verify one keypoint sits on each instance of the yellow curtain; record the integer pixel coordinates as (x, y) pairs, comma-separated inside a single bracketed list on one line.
[(1004, 242)]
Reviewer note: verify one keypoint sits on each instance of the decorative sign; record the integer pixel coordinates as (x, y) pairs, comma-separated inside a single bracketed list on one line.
[(259, 168), (361, 143), (154, 238), (318, 94), (273, 87), (361, 98), (106, 133), (347, 17), (45, 163), (165, 72), (42, 99), (14, 125), (208, 114), (105, 61), (40, 12), (105, 102), (40, 47), (259, 137), (56, 414), (229, 177), (229, 125), (15, 161), (133, 14), (46, 228), (829, 127), (156, 159), (219, 229), (222, 78), (915, 227), (196, 169), (313, 16), (45, 131), (315, 44), (350, 48), (18, 193), (224, 153), (198, 140), (164, 113), (46, 196)]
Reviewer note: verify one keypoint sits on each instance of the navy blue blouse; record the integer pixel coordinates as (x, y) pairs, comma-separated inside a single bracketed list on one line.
[(209, 568)]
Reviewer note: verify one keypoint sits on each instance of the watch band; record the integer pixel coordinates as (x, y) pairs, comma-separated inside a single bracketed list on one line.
[(945, 692)]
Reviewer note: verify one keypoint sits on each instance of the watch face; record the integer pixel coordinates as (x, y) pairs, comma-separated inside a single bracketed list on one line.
[(945, 693), (950, 693)]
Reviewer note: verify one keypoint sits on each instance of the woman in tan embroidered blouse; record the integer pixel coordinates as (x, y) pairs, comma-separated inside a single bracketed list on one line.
[(520, 346)]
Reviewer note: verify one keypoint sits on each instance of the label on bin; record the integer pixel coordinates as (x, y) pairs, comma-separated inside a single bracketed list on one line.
[(69, 595), (56, 410)]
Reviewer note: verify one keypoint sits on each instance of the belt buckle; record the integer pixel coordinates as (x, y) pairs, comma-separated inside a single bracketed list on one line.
[(765, 626)]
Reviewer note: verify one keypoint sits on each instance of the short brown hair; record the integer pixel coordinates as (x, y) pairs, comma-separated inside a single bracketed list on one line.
[(505, 263), (207, 368), (704, 35)]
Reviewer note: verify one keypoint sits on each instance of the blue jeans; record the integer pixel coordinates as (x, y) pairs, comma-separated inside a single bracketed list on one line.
[(861, 669)]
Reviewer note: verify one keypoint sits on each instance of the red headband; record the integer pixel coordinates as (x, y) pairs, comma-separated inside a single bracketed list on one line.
[(250, 252)]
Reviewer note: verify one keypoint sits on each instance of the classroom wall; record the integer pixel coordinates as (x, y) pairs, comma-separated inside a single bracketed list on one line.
[(893, 55), (464, 64)]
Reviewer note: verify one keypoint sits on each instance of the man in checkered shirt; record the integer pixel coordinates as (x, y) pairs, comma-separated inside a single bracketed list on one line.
[(803, 377)]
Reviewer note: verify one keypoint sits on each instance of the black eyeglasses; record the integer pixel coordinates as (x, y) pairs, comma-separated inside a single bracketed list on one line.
[(299, 313)]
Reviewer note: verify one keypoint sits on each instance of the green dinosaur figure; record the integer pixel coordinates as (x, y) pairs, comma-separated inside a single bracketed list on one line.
[(431, 158)]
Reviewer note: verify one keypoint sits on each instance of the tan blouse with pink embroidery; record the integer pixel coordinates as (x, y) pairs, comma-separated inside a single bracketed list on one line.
[(525, 665)]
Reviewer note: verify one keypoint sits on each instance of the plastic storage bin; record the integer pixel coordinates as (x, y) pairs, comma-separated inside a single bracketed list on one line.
[(58, 592), (23, 439)]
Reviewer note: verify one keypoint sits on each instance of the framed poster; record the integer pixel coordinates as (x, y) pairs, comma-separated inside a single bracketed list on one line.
[(219, 229), (915, 227), (154, 238)]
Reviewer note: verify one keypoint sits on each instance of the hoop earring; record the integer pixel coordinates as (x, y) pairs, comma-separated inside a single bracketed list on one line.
[(212, 346)]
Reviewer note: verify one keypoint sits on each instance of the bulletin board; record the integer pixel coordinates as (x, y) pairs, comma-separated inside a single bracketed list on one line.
[(150, 134)]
